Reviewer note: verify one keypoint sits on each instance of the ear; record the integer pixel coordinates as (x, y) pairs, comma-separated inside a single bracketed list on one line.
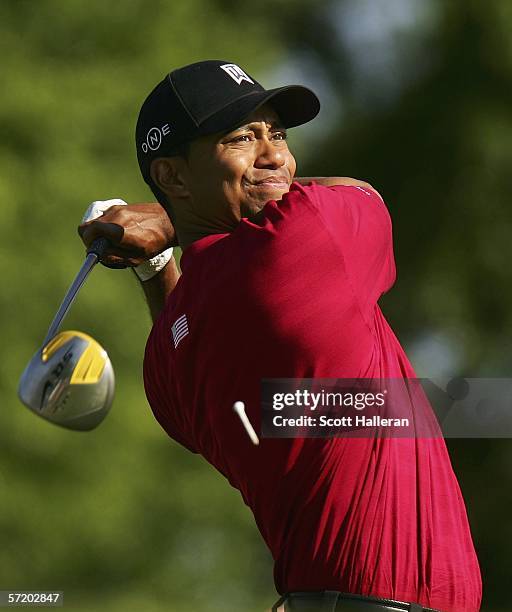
[(167, 173)]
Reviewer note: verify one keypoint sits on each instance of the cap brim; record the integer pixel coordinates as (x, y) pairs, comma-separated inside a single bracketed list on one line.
[(294, 105)]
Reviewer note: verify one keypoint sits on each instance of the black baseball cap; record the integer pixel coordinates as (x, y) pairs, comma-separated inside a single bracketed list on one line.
[(208, 97)]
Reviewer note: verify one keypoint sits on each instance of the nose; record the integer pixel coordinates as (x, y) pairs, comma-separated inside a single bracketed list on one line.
[(269, 155)]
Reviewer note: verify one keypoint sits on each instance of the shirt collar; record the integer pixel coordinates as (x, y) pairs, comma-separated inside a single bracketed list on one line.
[(197, 247)]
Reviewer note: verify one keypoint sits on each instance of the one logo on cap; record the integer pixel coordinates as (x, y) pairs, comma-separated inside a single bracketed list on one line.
[(236, 73), (154, 138)]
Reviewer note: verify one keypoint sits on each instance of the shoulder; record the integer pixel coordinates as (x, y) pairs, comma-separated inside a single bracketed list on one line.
[(336, 181), (343, 196), (346, 212), (347, 206)]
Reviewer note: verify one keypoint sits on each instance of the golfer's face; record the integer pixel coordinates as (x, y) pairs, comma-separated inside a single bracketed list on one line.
[(235, 174)]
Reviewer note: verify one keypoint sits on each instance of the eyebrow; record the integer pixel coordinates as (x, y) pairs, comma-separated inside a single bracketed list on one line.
[(272, 125)]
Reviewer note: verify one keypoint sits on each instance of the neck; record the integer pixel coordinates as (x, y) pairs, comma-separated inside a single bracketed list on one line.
[(190, 227)]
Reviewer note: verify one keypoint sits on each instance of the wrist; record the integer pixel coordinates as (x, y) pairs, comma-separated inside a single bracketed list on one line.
[(150, 268)]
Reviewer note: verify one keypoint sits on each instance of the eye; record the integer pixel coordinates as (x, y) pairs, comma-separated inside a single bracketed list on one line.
[(242, 138), (281, 135)]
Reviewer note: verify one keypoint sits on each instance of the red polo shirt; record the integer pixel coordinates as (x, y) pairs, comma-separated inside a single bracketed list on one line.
[(293, 294)]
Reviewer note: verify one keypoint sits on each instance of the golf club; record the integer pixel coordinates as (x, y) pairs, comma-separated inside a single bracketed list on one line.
[(70, 380)]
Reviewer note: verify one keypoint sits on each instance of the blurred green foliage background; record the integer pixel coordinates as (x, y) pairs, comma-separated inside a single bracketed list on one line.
[(416, 100)]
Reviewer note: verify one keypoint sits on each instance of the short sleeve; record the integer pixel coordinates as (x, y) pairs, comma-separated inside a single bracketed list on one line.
[(358, 222)]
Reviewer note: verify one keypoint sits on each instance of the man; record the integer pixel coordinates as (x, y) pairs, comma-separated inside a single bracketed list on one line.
[(281, 278)]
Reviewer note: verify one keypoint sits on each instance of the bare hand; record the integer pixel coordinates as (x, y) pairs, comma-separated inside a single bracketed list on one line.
[(136, 232)]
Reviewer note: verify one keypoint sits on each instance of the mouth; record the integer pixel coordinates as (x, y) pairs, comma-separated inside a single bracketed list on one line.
[(270, 182)]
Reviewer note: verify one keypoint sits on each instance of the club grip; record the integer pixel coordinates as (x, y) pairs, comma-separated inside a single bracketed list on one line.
[(98, 247)]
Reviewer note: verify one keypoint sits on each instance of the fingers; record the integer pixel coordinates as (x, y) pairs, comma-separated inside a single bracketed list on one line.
[(97, 229), (114, 256)]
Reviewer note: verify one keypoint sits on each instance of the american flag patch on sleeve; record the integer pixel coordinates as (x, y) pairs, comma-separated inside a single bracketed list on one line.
[(179, 329)]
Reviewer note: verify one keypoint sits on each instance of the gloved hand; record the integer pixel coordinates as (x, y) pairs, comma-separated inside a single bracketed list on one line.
[(140, 235)]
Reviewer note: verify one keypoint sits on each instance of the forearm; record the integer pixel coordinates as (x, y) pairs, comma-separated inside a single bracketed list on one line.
[(158, 288)]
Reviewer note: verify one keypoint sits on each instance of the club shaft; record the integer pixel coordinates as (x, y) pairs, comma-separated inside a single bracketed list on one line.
[(90, 261)]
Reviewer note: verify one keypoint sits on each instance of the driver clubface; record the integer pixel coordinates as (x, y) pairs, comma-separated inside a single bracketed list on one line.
[(69, 382)]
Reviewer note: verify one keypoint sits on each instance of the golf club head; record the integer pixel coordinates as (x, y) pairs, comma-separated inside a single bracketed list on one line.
[(69, 382)]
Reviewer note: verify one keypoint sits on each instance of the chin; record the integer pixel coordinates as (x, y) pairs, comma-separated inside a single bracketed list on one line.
[(252, 208), (256, 202), (271, 194)]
